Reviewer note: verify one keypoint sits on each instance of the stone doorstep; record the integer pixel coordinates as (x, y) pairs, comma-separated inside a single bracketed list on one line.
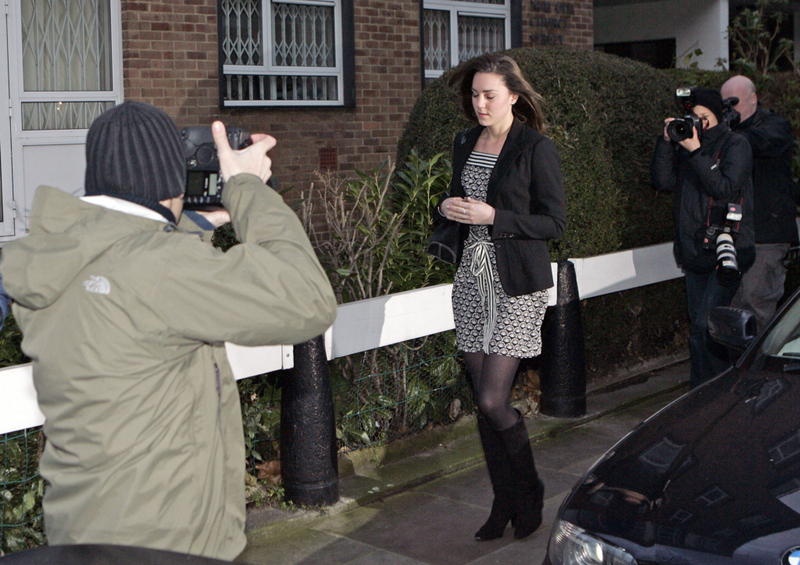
[(370, 474)]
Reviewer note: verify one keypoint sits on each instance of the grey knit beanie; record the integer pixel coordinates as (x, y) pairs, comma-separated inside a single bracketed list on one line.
[(135, 151)]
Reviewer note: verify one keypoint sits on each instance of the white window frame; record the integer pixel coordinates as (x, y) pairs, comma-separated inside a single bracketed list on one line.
[(20, 96), (468, 9), (59, 146), (268, 69)]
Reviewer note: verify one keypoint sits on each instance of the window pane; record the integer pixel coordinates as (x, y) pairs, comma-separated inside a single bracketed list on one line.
[(303, 36), (66, 45), (287, 88), (61, 115), (437, 40), (241, 32), (477, 36)]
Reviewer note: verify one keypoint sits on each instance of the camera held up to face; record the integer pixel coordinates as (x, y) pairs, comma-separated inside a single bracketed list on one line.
[(203, 179), (680, 129)]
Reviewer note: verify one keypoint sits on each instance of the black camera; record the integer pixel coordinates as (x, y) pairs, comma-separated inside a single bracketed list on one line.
[(719, 237), (203, 179), (730, 115), (681, 128)]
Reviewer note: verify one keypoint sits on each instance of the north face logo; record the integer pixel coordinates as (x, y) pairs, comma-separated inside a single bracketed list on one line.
[(97, 284)]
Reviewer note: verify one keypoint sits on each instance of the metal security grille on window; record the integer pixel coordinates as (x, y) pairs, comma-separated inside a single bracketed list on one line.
[(454, 32), (242, 42), (477, 36), (268, 87), (66, 47), (303, 36), (299, 37), (437, 39), (61, 115)]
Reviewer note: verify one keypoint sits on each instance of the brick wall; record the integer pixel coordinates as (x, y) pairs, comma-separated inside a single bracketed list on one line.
[(557, 23), (170, 60)]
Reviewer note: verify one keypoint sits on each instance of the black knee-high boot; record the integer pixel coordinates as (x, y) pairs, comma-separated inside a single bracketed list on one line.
[(499, 465), (529, 488)]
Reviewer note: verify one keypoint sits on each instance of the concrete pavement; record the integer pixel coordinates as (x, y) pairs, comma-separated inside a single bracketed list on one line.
[(420, 500)]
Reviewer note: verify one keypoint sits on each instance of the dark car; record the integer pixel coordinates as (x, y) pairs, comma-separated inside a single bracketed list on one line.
[(713, 478)]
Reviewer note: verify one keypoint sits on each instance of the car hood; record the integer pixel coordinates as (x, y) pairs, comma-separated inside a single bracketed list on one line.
[(712, 478)]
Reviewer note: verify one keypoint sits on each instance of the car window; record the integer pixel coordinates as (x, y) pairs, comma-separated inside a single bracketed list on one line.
[(783, 340)]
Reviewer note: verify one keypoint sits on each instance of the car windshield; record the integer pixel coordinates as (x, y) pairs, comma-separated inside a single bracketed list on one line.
[(782, 342)]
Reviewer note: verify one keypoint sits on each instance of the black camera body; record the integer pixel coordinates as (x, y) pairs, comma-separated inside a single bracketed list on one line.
[(203, 179), (719, 238), (681, 128), (730, 115)]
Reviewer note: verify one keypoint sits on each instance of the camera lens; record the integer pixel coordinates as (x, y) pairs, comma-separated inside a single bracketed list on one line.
[(727, 265), (678, 130)]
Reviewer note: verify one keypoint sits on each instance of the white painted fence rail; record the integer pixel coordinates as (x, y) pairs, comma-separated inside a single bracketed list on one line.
[(368, 324)]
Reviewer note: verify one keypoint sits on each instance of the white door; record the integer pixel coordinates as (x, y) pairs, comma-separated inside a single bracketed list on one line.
[(64, 69)]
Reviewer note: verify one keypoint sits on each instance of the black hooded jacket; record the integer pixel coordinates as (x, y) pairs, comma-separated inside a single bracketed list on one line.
[(717, 173), (771, 140)]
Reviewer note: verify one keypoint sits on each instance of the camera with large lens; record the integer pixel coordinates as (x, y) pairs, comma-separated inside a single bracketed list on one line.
[(730, 115), (720, 238), (681, 128), (203, 178)]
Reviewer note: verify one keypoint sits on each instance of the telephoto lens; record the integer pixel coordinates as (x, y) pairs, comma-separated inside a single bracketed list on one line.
[(727, 265)]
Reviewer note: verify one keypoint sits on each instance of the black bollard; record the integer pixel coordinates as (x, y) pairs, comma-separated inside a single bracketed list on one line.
[(309, 465), (563, 381)]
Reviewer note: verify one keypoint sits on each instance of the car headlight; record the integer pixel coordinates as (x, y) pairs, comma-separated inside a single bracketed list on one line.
[(571, 545)]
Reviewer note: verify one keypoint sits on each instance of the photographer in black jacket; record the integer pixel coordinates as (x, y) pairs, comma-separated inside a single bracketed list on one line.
[(771, 140), (708, 170)]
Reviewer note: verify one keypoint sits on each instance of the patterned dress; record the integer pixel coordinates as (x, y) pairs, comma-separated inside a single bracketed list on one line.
[(486, 318)]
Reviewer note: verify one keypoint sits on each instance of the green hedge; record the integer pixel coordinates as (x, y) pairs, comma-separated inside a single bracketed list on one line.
[(604, 113)]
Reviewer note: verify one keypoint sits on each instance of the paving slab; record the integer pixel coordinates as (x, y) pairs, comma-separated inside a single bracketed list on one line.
[(420, 502)]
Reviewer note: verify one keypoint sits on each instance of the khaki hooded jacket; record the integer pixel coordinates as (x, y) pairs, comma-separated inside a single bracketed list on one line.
[(124, 319)]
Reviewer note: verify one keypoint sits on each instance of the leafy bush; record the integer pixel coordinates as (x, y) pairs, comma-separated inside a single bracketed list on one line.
[(21, 487), (21, 491), (377, 228), (604, 114)]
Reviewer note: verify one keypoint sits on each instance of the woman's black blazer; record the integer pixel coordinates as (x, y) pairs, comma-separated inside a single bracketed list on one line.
[(526, 190)]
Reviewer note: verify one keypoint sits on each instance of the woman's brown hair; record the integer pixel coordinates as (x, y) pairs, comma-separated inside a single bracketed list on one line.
[(528, 108)]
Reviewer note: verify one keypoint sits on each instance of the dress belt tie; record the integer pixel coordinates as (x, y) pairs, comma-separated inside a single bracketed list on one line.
[(482, 269)]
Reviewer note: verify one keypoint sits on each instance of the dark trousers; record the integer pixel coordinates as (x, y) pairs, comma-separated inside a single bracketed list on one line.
[(703, 292)]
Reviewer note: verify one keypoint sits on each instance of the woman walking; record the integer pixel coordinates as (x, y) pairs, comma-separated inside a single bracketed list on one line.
[(507, 191)]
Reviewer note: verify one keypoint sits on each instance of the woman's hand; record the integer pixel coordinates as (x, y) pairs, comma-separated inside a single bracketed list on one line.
[(666, 125), (690, 144), (467, 211)]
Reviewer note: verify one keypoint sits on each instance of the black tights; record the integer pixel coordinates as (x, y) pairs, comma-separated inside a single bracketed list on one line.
[(492, 378)]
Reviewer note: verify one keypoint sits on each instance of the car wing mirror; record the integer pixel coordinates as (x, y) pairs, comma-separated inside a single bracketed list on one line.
[(732, 327)]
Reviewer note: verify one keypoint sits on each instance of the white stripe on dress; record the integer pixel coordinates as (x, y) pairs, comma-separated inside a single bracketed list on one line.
[(479, 159)]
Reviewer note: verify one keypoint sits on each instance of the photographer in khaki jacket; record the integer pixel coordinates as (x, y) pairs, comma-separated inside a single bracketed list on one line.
[(125, 315)]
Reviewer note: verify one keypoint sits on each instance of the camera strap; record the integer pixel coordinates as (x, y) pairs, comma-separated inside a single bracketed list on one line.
[(711, 203)]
